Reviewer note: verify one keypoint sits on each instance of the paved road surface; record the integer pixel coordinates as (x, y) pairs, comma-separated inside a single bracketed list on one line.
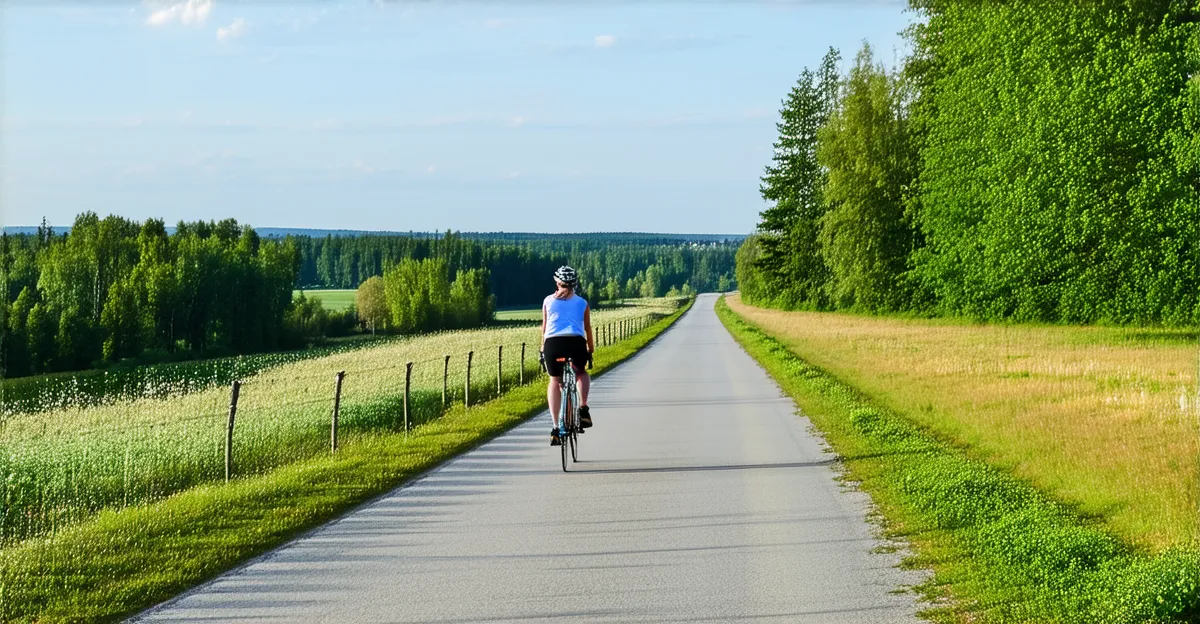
[(700, 497)]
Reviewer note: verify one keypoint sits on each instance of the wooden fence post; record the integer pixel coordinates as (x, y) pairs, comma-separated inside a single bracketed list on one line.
[(407, 383), (233, 401), (337, 404), (499, 370), (521, 375), (445, 380), (467, 385)]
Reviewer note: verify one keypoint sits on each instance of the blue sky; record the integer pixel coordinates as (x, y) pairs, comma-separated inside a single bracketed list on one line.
[(419, 115)]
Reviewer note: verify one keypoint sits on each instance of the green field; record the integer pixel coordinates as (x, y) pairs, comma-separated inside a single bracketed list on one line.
[(519, 314), (332, 300)]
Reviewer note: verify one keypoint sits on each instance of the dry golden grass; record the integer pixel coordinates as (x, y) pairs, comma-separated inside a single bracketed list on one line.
[(1105, 419)]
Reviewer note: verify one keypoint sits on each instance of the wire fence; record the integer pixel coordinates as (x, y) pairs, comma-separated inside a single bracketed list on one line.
[(53, 474)]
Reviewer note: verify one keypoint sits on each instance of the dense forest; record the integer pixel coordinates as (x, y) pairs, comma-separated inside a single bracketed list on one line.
[(519, 269), (1034, 161), (114, 289)]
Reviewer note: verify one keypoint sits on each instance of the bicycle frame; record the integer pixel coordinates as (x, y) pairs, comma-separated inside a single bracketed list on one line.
[(568, 415), (570, 398)]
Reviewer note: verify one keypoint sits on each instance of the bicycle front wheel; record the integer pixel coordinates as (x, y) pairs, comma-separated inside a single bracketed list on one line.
[(566, 422), (574, 424)]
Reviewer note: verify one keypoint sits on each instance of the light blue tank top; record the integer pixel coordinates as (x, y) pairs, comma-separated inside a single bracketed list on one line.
[(564, 317)]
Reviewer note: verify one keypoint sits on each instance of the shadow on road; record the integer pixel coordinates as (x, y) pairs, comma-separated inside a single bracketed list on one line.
[(826, 462)]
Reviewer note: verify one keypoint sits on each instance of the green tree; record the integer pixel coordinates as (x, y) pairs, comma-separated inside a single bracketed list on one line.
[(18, 360), (652, 286), (371, 302), (751, 279), (278, 266), (1045, 198), (790, 260), (75, 341), (305, 322), (40, 332), (612, 290), (417, 294), (121, 322), (864, 146), (469, 298)]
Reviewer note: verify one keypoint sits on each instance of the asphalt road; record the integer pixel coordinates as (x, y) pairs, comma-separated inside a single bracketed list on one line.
[(700, 497)]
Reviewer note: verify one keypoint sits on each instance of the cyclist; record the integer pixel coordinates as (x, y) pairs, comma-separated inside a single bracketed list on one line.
[(566, 332)]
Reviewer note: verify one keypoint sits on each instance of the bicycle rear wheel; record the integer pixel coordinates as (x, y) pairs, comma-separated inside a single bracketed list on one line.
[(566, 422), (574, 422)]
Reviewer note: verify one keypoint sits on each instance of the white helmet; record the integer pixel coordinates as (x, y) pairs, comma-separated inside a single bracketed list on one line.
[(567, 275)]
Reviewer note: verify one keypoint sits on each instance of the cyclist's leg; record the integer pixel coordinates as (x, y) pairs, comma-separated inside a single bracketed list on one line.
[(552, 350), (584, 381), (554, 398), (580, 356)]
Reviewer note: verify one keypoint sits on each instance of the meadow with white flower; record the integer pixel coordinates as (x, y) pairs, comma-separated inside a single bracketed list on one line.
[(62, 465)]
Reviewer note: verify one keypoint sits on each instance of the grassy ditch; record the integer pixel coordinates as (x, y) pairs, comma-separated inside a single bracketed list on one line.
[(1001, 550), (123, 561)]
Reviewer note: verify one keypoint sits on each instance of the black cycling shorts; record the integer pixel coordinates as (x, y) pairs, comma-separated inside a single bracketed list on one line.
[(574, 347)]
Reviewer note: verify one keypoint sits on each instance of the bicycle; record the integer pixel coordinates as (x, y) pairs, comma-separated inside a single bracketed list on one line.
[(568, 420)]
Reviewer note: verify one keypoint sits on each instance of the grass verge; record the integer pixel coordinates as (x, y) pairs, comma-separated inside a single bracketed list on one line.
[(1001, 550), (124, 561)]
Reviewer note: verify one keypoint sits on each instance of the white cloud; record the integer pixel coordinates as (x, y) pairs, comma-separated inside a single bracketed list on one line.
[(431, 169), (234, 30), (605, 41), (517, 122), (186, 12)]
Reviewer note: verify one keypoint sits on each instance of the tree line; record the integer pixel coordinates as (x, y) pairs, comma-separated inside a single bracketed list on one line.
[(1014, 166), (419, 295), (519, 268), (115, 289), (111, 289)]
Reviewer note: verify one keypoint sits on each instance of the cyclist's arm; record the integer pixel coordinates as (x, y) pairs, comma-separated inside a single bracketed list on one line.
[(543, 347), (587, 328)]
